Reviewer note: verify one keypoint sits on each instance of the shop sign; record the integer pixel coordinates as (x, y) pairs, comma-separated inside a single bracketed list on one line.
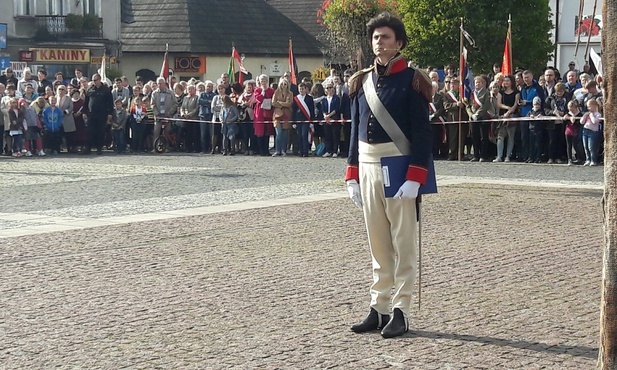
[(18, 69), (190, 64), (276, 69), (3, 37), (99, 60), (26, 56), (62, 55)]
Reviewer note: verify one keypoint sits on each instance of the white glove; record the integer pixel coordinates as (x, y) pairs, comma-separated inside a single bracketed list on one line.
[(354, 192), (409, 190), (474, 117), (430, 117)]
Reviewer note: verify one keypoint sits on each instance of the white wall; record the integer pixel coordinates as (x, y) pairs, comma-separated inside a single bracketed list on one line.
[(110, 12), (566, 43), (7, 16)]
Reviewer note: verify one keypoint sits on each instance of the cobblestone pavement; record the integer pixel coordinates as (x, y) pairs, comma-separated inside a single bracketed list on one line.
[(263, 263)]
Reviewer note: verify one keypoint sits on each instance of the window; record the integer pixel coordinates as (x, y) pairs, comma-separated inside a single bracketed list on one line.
[(42, 7), (58, 7), (24, 7), (92, 7)]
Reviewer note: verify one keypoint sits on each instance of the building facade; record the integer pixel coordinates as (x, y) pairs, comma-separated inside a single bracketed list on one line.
[(574, 37), (200, 36), (61, 35)]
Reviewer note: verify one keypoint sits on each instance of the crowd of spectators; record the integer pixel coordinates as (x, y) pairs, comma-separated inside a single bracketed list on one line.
[(519, 117), (79, 115), (555, 121)]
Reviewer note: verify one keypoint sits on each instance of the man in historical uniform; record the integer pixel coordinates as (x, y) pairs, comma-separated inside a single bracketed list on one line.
[(437, 118), (390, 118), (455, 111)]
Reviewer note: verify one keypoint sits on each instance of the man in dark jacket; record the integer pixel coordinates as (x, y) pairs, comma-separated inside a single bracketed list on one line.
[(8, 77), (43, 82), (98, 110)]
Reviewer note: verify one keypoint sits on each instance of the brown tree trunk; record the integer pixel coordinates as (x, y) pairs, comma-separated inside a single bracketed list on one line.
[(607, 357)]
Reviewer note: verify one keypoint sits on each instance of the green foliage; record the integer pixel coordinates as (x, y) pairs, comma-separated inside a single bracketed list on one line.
[(346, 23), (433, 29), (74, 22), (42, 34), (113, 73), (91, 22)]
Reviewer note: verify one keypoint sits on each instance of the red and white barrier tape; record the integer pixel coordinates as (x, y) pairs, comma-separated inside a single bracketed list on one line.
[(557, 120)]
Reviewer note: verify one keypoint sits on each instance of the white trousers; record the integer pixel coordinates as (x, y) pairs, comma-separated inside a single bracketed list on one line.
[(392, 234)]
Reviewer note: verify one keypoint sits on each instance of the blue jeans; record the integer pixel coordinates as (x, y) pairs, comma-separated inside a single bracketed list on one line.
[(591, 141), (18, 143), (280, 143), (120, 140), (302, 130)]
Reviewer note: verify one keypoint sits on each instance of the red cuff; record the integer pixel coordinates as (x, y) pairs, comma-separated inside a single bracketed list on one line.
[(416, 173), (352, 173)]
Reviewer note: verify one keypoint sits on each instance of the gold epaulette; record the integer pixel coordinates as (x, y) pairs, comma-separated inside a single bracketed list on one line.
[(422, 83), (355, 81)]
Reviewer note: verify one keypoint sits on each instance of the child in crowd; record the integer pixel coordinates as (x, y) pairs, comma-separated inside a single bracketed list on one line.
[(138, 120), (591, 132), (52, 119), (535, 129), (149, 121), (229, 118), (29, 94), (118, 125), (571, 119), (557, 106), (34, 131), (17, 126), (49, 92)]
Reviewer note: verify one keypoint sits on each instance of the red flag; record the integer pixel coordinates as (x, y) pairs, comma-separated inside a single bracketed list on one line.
[(238, 58), (293, 66), (165, 67), (506, 64)]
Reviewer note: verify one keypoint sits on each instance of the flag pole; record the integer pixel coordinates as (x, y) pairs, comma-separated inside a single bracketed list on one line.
[(103, 67), (593, 14), (166, 60), (460, 95), (510, 43), (581, 7)]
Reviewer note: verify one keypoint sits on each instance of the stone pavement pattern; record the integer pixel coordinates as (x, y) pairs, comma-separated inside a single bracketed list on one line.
[(511, 280)]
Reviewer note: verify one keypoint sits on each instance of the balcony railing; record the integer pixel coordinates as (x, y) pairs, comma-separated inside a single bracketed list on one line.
[(68, 27)]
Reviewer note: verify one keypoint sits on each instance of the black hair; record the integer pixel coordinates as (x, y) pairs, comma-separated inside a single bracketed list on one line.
[(386, 19), (237, 87)]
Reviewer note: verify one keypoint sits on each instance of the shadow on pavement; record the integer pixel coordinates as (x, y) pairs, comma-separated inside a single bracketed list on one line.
[(579, 351)]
